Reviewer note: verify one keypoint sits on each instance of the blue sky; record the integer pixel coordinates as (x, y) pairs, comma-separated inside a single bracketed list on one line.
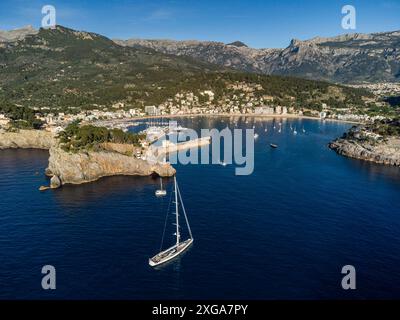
[(259, 23)]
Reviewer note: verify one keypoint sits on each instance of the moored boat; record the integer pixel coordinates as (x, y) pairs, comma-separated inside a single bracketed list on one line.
[(180, 246)]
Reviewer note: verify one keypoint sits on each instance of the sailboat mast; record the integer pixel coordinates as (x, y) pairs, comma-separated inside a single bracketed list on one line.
[(177, 213), (184, 212)]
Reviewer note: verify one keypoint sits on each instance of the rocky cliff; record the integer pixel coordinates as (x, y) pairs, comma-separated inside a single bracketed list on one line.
[(83, 167), (26, 139), (385, 152), (346, 58)]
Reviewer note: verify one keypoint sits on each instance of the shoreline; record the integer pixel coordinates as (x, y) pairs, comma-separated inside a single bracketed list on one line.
[(261, 116)]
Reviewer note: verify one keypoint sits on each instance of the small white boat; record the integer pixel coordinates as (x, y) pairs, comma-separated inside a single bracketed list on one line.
[(256, 136), (223, 163), (161, 192), (180, 246)]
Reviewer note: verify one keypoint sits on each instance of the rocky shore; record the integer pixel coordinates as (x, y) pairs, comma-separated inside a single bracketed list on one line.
[(82, 167), (384, 152)]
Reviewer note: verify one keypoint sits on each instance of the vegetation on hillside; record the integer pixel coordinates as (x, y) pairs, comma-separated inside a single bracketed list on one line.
[(21, 117), (87, 137), (63, 70), (386, 128)]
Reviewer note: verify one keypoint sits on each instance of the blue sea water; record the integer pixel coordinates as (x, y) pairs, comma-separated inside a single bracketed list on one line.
[(284, 232)]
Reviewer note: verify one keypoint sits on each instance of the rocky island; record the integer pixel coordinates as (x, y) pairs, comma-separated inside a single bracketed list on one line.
[(377, 142)]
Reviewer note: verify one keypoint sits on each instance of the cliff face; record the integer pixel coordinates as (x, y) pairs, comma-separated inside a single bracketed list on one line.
[(83, 167), (78, 168), (26, 139), (387, 153)]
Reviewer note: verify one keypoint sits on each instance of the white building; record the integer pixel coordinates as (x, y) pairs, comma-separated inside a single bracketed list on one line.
[(3, 120), (152, 110), (118, 105), (264, 110)]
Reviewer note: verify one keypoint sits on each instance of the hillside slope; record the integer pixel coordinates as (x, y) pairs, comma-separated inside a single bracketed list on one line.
[(64, 69)]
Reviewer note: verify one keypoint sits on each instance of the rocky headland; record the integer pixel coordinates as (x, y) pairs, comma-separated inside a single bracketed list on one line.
[(83, 166), (378, 143)]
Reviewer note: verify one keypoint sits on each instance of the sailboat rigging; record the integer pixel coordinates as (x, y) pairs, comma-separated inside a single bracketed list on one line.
[(180, 246)]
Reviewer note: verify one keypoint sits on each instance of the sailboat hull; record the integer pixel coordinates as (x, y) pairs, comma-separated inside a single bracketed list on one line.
[(170, 253), (161, 193)]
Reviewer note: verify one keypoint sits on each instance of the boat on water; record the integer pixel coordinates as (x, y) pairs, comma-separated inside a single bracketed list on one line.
[(274, 146), (161, 192), (256, 136), (180, 246)]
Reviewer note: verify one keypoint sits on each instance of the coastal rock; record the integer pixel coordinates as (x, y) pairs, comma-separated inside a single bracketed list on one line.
[(55, 182), (27, 139), (387, 152), (83, 167)]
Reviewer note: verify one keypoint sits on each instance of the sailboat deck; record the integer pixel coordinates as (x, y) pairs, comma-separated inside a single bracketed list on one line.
[(170, 253)]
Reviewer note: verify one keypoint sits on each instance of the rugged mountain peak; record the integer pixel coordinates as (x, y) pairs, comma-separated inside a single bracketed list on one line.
[(295, 43), (16, 34), (353, 57)]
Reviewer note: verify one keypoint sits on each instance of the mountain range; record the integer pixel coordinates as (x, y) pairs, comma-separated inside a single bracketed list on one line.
[(66, 70), (351, 58)]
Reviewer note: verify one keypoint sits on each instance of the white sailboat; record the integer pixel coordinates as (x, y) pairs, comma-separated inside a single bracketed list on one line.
[(161, 192), (180, 246)]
